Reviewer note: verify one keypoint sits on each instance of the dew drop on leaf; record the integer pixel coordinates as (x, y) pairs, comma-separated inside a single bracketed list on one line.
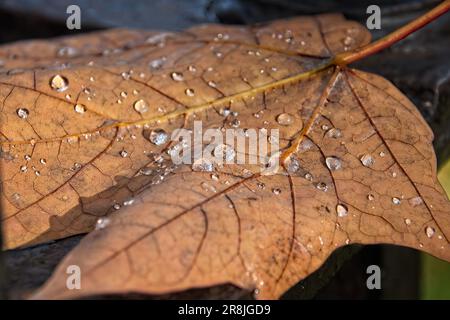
[(341, 210), (407, 221), (396, 201), (333, 163), (177, 76), (102, 223), (285, 119), (429, 231), (367, 160), (22, 113), (79, 108), (189, 92), (322, 186), (157, 136), (276, 191), (203, 164), (140, 106), (59, 83), (123, 153)]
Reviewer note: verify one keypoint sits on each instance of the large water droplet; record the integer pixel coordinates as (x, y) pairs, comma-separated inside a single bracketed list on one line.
[(333, 163), (140, 106), (367, 160), (22, 113), (285, 119), (341, 210), (59, 83)]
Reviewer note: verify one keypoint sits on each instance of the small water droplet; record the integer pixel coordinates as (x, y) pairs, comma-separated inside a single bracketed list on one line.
[(79, 108), (43, 161), (27, 157), (235, 123), (208, 187), (212, 84), (23, 169), (396, 201), (382, 154), (140, 106), (292, 164), (192, 68), (407, 221), (429, 231), (308, 176), (146, 171), (370, 197), (416, 201), (22, 113), (59, 83), (156, 64), (322, 186), (128, 202), (123, 153), (116, 206), (261, 185), (177, 76), (341, 210), (367, 160), (333, 163), (203, 164), (334, 133), (276, 191), (102, 223), (285, 119), (157, 136), (215, 177), (189, 92)]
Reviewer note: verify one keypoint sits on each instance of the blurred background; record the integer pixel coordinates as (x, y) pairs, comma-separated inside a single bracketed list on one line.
[(418, 66)]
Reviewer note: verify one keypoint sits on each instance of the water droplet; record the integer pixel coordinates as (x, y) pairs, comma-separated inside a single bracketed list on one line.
[(102, 223), (261, 185), (396, 201), (367, 160), (67, 52), (208, 187), (308, 176), (416, 201), (203, 164), (322, 186), (79, 108), (189, 92), (116, 206), (59, 83), (341, 210), (156, 64), (192, 68), (347, 41), (334, 133), (128, 202), (407, 221), (157, 136), (177, 76), (140, 106), (27, 157), (370, 197), (215, 177), (43, 161), (292, 164), (382, 154), (333, 163), (429, 231), (276, 191), (212, 84), (285, 119), (22, 113), (235, 123), (123, 153), (23, 169), (37, 173)]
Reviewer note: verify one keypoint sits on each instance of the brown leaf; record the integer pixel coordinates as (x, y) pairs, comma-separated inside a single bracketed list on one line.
[(366, 169)]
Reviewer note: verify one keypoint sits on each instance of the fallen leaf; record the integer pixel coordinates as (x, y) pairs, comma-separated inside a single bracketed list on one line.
[(359, 166)]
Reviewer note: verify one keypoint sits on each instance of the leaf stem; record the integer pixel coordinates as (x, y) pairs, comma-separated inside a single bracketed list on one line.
[(388, 40)]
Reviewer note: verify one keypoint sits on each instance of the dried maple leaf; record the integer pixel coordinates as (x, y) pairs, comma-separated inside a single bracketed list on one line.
[(78, 142)]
